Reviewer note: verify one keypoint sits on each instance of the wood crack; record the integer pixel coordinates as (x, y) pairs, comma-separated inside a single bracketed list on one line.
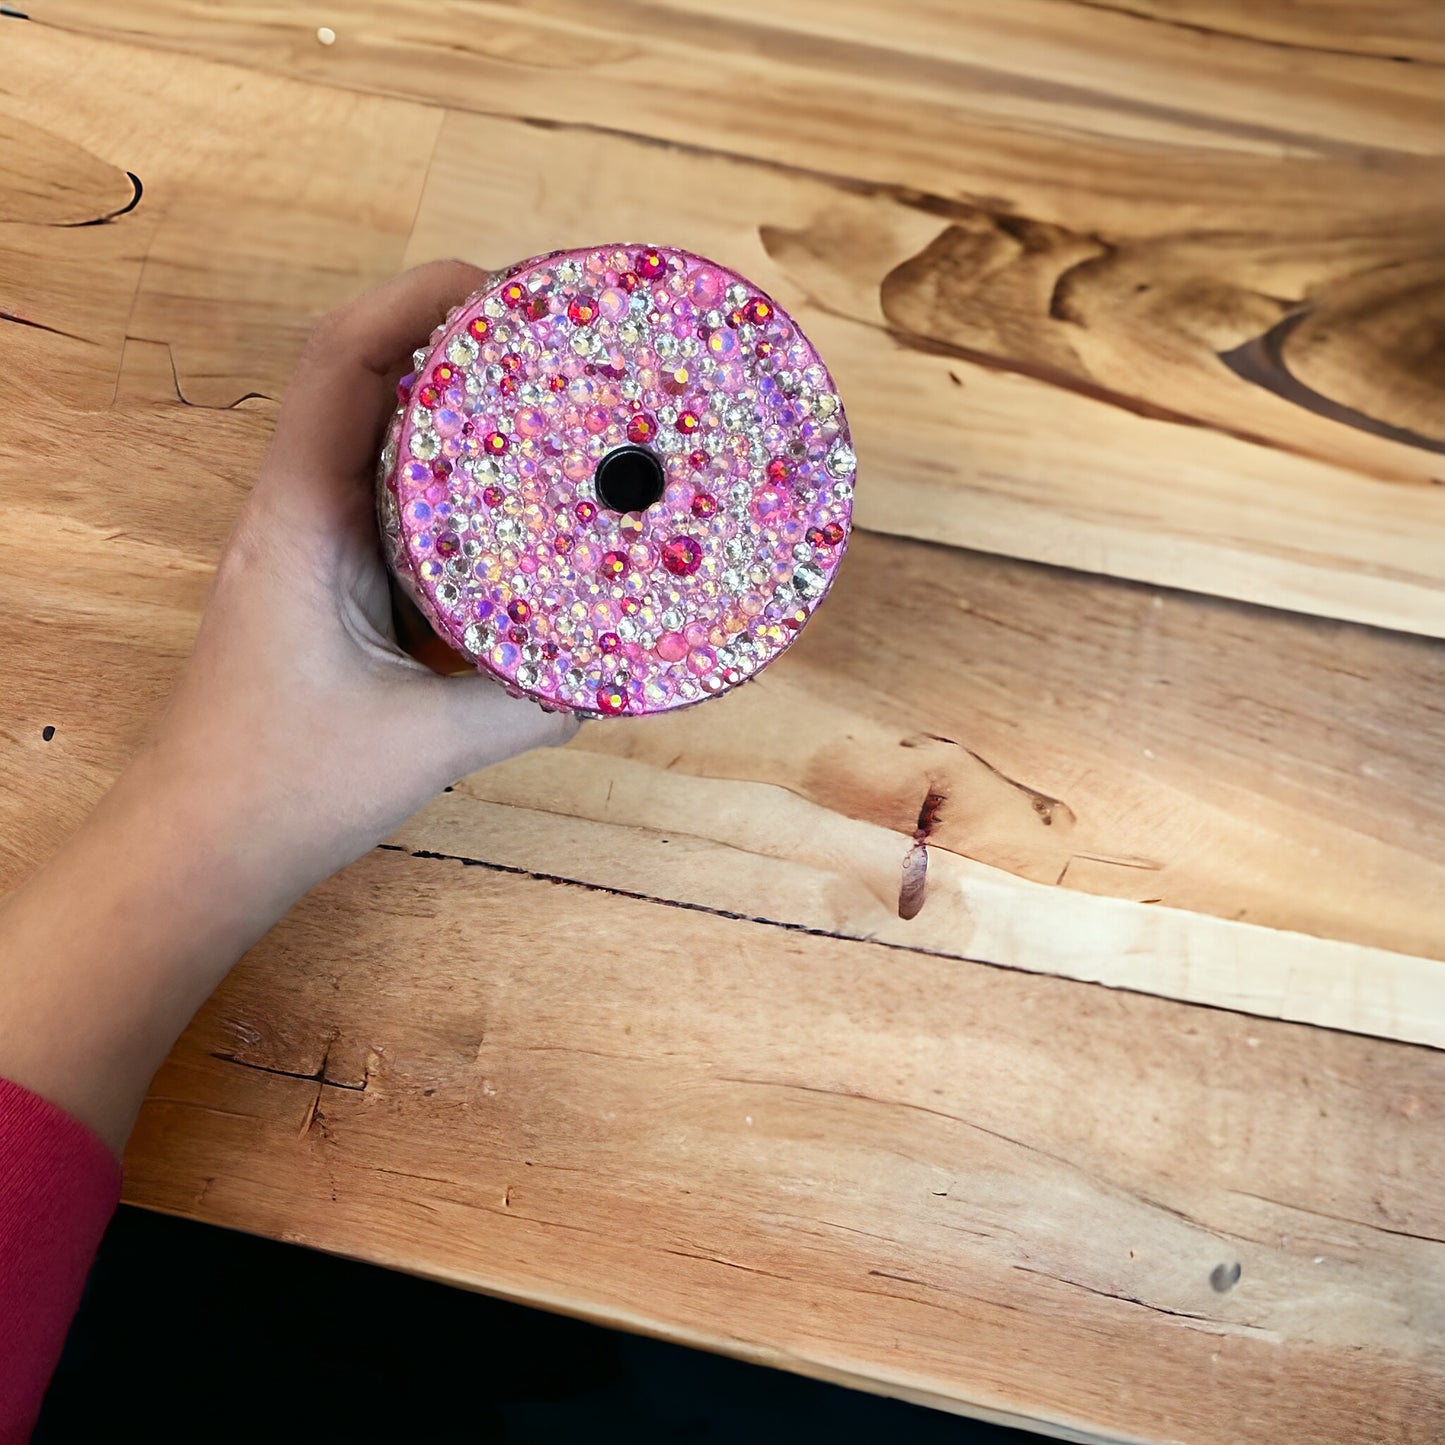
[(1215, 33), (1342, 1218), (316, 1076)]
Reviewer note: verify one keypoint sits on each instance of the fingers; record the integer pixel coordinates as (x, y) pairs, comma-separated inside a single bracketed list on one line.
[(339, 399)]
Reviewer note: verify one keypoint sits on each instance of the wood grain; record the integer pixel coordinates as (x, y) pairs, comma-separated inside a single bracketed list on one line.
[(985, 1190), (642, 1033), (1136, 291)]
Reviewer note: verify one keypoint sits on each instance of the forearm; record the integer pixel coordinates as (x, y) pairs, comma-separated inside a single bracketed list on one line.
[(109, 950)]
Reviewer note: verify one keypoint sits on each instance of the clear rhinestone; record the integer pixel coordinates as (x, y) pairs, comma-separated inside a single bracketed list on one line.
[(461, 349), (425, 445), (528, 674), (808, 579), (841, 460)]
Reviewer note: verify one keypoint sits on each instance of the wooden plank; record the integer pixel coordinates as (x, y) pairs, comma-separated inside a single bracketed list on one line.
[(1112, 765), (1184, 358), (265, 204), (1098, 1214)]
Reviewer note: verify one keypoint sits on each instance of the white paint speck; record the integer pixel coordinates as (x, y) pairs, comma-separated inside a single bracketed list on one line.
[(1148, 752), (748, 1119), (1319, 1259), (326, 35)]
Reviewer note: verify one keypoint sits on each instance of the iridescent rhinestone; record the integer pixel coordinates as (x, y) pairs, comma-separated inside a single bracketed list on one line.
[(425, 445), (568, 272), (509, 531), (528, 675), (841, 460)]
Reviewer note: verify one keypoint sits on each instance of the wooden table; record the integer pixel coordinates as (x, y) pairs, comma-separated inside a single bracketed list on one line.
[(1135, 1130)]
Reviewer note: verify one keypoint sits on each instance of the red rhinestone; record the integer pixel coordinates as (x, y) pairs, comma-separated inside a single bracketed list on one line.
[(404, 386), (735, 317), (496, 442), (780, 469), (492, 496), (558, 383), (517, 634), (833, 534), (631, 606), (514, 294), (585, 511), (758, 310), (511, 362), (478, 326), (562, 542), (650, 264), (614, 564), (428, 395), (641, 428), (582, 311), (698, 459), (704, 504), (628, 280), (814, 537), (520, 610), (682, 555), (609, 642), (687, 422), (611, 700), (550, 649), (538, 308), (763, 350), (444, 373)]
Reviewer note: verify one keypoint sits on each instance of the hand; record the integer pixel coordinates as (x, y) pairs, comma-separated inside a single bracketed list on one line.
[(298, 702), (297, 738)]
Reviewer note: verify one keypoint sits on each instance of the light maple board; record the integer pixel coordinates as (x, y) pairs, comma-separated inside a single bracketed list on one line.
[(731, 1094), (1122, 289)]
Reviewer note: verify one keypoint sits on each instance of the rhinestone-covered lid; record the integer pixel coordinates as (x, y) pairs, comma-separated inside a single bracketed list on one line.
[(643, 377)]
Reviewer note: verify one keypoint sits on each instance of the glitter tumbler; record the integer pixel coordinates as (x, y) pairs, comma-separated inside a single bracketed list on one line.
[(619, 480)]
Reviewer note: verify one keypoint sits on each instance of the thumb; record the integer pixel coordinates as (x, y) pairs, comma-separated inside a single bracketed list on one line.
[(480, 724)]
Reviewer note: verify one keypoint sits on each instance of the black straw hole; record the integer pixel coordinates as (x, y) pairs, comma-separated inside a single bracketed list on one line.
[(629, 479)]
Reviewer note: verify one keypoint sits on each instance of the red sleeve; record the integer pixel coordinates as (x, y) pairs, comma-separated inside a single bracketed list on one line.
[(59, 1185)]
